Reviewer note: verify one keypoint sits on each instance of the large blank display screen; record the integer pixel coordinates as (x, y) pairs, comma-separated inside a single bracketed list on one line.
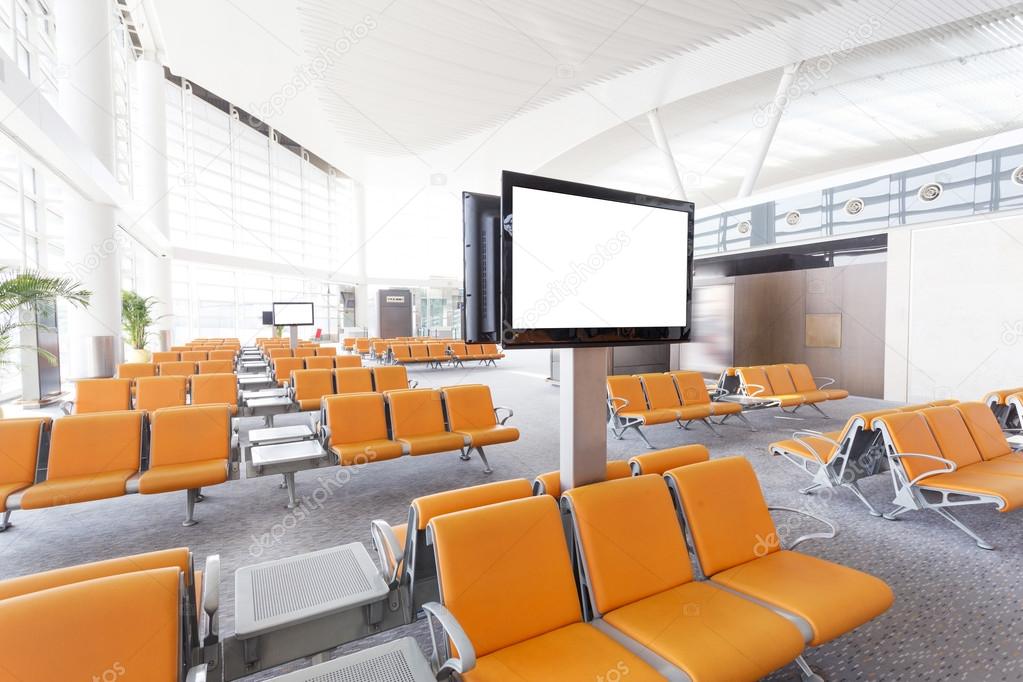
[(585, 265), (293, 314), (584, 262)]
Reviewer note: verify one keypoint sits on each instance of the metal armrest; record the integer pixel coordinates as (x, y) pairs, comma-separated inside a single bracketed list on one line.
[(510, 414), (809, 536), (196, 673), (798, 436), (211, 597), (384, 538), (759, 389), (616, 410), (828, 381), (951, 466), (324, 435), (716, 391), (466, 660), (67, 406), (412, 383)]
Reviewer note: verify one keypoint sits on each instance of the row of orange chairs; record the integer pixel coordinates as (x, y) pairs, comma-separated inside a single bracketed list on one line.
[(282, 368), (274, 352), (308, 386), (184, 368), (151, 393), (192, 356), (105, 454)]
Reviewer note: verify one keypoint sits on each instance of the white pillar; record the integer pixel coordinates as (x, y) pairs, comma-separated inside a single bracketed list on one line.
[(90, 242), (661, 139), (363, 314), (773, 115), (583, 391), (149, 148)]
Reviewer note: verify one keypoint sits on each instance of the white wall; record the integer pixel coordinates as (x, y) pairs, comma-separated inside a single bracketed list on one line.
[(954, 324)]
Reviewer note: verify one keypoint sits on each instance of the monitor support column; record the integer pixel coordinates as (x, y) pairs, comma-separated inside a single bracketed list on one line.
[(583, 416), (293, 332)]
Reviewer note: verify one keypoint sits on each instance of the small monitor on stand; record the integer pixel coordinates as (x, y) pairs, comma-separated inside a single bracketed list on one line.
[(293, 315)]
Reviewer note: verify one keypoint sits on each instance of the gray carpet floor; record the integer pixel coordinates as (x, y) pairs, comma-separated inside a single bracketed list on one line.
[(957, 614)]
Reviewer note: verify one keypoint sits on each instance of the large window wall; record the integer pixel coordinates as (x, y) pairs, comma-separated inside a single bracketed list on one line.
[(254, 218)]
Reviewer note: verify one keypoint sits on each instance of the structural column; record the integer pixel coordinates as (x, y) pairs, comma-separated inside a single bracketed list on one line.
[(149, 148), (362, 302), (91, 242)]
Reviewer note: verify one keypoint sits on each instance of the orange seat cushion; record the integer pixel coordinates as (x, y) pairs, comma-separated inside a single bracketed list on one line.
[(832, 598), (183, 476), (823, 448), (573, 652), (367, 451), (490, 435), (709, 633), (433, 442), (72, 489), (721, 408), (976, 481), (650, 417), (836, 393)]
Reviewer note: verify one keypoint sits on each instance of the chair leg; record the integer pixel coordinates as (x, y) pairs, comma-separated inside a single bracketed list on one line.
[(466, 453), (895, 513), (948, 516), (642, 435), (855, 488), (486, 464), (199, 497), (808, 490), (6, 523), (822, 412), (191, 494), (706, 422), (745, 421), (807, 674)]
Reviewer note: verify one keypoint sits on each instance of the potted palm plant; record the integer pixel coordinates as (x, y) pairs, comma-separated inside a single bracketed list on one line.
[(137, 317), (21, 289)]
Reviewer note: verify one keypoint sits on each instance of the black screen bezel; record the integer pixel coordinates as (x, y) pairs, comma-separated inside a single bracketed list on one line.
[(595, 337)]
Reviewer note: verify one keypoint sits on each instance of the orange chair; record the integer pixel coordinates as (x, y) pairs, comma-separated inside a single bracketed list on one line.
[(341, 361), (417, 422), (320, 362), (165, 356), (283, 367), (550, 482), (92, 457), (134, 370), (355, 429), (305, 352), (279, 352), (178, 369), (353, 380), (661, 461), (216, 367), (190, 447), (628, 409), (153, 393), (223, 354), (471, 413), (216, 389), (309, 386), (391, 378), (193, 356), (100, 395), (21, 443), (327, 350)]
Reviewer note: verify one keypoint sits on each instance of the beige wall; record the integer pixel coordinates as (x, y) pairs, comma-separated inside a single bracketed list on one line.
[(770, 318)]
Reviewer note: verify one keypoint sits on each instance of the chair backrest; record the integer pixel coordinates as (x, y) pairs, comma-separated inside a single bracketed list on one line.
[(353, 380), (984, 428), (437, 350), (725, 512), (196, 433), (418, 350), (95, 443), (305, 352), (320, 362), (457, 348), (755, 379), (529, 591), (19, 449), (216, 367), (626, 561), (660, 391), (362, 345), (355, 418), (348, 342), (490, 349), (415, 412), (165, 356), (222, 354), (802, 377), (691, 388), (327, 350), (212, 389), (378, 347), (283, 367), (909, 432), (193, 355), (628, 387), (475, 349), (179, 369), (952, 435), (134, 370), (469, 407), (111, 632), (390, 378), (347, 361), (275, 353), (312, 383), (102, 395), (550, 482), (400, 351), (660, 461), (152, 393), (781, 380), (180, 348)]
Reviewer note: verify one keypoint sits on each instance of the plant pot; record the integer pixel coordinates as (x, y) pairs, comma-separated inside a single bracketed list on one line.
[(137, 355)]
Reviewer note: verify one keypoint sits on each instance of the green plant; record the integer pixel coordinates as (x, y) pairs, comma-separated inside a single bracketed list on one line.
[(137, 316), (20, 289), (278, 331)]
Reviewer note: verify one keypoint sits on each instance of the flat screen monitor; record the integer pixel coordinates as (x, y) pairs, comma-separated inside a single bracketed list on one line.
[(299, 314), (268, 317), (481, 232), (590, 266)]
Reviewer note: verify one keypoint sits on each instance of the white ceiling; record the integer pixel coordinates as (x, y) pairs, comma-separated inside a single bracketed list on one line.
[(893, 99)]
